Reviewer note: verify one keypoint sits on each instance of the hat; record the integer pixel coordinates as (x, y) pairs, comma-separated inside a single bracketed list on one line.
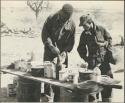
[(67, 8), (84, 19)]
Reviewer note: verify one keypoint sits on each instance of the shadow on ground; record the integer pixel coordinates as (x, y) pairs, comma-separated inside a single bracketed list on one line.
[(5, 98)]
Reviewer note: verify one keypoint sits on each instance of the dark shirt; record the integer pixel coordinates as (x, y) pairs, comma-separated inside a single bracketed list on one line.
[(60, 34), (88, 43)]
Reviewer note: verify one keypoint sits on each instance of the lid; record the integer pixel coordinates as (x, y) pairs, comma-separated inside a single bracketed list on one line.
[(37, 67), (86, 71)]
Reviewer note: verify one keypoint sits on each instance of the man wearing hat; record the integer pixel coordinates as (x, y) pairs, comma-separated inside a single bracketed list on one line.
[(94, 48), (58, 37)]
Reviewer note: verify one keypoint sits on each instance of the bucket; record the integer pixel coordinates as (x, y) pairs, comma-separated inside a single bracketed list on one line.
[(65, 95), (72, 96), (37, 71), (11, 90), (87, 75), (28, 90)]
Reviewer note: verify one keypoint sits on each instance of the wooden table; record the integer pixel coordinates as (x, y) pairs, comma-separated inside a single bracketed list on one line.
[(40, 79), (69, 86)]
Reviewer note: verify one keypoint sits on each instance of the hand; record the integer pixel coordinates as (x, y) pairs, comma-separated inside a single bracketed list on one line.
[(63, 54), (106, 43), (103, 44), (62, 57), (48, 42), (85, 65), (100, 44), (97, 71), (55, 50)]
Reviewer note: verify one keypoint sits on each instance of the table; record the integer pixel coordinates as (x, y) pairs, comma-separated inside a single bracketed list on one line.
[(40, 79), (54, 82)]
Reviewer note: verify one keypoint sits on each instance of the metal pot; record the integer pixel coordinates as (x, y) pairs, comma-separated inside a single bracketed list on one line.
[(37, 71), (86, 75)]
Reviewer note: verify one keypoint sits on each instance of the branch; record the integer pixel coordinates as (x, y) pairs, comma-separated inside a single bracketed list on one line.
[(28, 3), (40, 5)]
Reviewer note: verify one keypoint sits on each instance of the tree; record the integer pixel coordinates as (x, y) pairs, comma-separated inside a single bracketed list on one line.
[(36, 6)]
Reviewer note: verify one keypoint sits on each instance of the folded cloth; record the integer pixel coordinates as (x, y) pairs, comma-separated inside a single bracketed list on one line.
[(106, 80), (89, 86)]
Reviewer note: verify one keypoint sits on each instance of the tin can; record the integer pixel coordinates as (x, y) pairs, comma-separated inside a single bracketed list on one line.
[(75, 79), (49, 70)]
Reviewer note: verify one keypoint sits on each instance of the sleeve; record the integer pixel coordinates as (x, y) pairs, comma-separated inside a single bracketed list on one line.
[(107, 37), (82, 50), (71, 39), (46, 39)]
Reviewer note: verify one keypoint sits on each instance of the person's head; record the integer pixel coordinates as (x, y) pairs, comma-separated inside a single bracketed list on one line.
[(86, 21), (66, 12)]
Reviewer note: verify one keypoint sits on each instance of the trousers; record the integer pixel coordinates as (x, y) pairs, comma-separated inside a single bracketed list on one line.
[(105, 69), (48, 56)]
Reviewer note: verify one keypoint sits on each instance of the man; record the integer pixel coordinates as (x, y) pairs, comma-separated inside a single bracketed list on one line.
[(94, 48), (58, 36)]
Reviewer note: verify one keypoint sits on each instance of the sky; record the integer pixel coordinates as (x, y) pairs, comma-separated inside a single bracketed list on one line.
[(111, 17), (107, 5)]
